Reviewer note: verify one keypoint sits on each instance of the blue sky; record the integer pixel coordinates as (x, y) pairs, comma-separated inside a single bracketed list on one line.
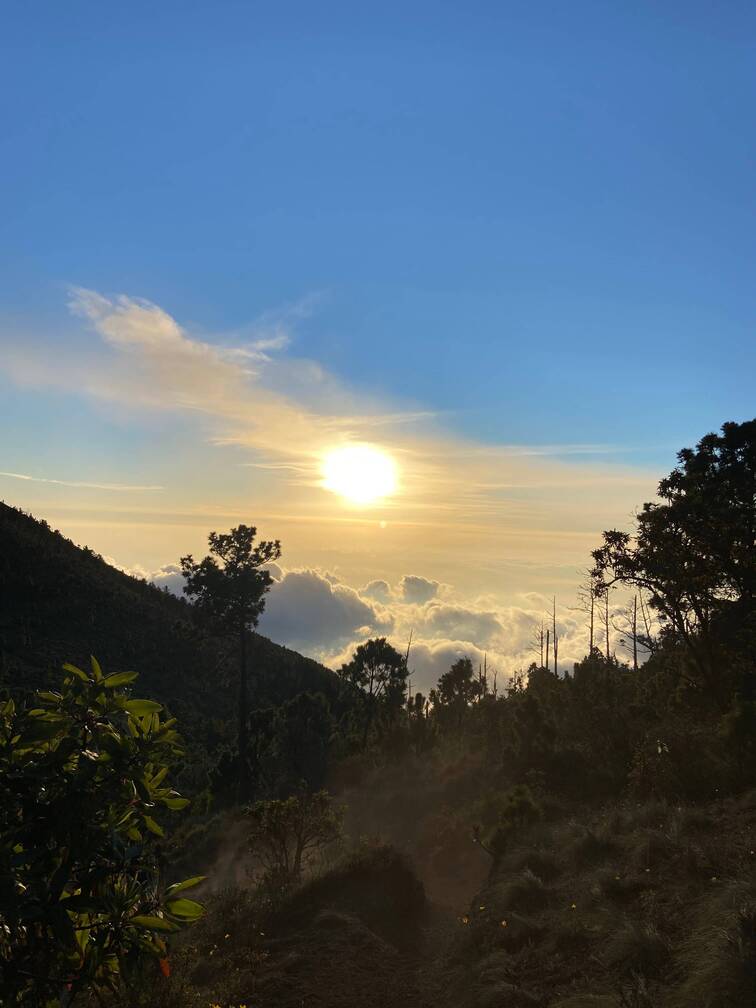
[(539, 215), (533, 220)]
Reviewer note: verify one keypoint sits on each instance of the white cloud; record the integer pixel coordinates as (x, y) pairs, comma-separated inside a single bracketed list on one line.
[(309, 610), (78, 484), (378, 590), (418, 589), (461, 623)]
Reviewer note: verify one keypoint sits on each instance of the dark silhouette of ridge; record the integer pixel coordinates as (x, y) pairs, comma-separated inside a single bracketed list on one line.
[(60, 602)]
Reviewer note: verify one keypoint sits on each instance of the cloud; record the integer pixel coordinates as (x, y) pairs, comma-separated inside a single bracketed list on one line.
[(169, 577), (309, 611), (461, 623), (379, 591), (418, 589), (78, 483)]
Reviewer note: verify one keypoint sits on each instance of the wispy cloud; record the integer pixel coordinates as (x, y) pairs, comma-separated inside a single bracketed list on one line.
[(79, 483)]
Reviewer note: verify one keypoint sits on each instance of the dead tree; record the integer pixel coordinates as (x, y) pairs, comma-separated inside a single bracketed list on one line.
[(537, 643), (587, 604), (556, 638)]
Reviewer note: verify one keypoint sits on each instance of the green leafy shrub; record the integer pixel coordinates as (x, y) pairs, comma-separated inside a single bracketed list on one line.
[(284, 833), (82, 789)]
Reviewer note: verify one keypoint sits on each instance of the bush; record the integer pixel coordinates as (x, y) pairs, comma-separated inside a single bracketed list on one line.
[(285, 833), (82, 780)]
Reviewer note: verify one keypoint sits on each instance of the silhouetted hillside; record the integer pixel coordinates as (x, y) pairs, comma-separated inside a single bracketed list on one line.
[(59, 602)]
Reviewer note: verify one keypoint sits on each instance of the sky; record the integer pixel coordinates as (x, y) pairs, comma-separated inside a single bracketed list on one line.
[(508, 245)]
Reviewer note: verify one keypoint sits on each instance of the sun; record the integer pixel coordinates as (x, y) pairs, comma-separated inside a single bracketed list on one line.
[(359, 473)]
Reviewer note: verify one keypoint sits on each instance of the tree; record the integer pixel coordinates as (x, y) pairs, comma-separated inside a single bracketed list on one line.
[(380, 673), (82, 788), (228, 588), (694, 552), (284, 833), (293, 743), (458, 688)]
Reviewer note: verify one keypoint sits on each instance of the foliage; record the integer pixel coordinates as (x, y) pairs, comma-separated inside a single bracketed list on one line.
[(379, 672), (457, 689), (285, 833), (82, 789), (292, 744), (228, 588), (694, 553)]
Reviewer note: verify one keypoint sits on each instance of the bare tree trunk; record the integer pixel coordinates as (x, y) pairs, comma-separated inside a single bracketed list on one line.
[(541, 643), (593, 604), (556, 639), (635, 633), (548, 667), (242, 735), (606, 624)]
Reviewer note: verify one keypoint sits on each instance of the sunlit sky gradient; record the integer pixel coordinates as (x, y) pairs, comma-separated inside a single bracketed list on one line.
[(510, 244)]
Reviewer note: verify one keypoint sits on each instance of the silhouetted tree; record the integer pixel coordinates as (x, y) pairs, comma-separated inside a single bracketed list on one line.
[(694, 552), (380, 672), (458, 688), (283, 833), (228, 588)]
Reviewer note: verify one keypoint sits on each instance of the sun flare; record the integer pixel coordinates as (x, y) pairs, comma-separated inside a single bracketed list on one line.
[(359, 473)]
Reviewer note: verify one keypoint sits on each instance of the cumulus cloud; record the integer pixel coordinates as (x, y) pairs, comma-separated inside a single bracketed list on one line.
[(378, 590), (417, 589), (169, 577), (307, 610), (461, 623)]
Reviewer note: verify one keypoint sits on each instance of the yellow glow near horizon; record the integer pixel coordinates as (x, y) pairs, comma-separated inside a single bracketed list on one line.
[(359, 473)]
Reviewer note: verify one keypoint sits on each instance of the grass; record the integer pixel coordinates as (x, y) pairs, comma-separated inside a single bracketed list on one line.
[(524, 891), (718, 959), (636, 948)]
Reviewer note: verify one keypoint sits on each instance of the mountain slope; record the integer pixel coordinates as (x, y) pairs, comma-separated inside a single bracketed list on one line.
[(59, 602)]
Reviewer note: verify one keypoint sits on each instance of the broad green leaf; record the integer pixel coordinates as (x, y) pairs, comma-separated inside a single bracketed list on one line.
[(76, 671), (186, 908), (175, 804), (154, 923), (159, 777), (153, 827), (142, 707), (189, 883), (119, 679), (96, 670)]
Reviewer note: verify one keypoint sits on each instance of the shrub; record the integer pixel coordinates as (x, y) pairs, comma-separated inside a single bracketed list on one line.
[(284, 833), (82, 780)]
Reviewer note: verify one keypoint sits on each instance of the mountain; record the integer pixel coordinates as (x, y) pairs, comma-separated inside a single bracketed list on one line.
[(60, 602)]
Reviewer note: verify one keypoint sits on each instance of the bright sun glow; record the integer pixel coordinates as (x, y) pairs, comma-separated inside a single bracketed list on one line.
[(359, 473)]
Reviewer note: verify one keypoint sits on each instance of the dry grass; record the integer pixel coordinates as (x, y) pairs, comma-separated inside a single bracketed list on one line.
[(718, 959)]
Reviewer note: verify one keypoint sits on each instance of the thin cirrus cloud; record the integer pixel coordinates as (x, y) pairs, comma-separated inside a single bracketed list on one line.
[(79, 484)]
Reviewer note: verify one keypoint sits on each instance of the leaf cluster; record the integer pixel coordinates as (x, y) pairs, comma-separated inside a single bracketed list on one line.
[(83, 790)]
